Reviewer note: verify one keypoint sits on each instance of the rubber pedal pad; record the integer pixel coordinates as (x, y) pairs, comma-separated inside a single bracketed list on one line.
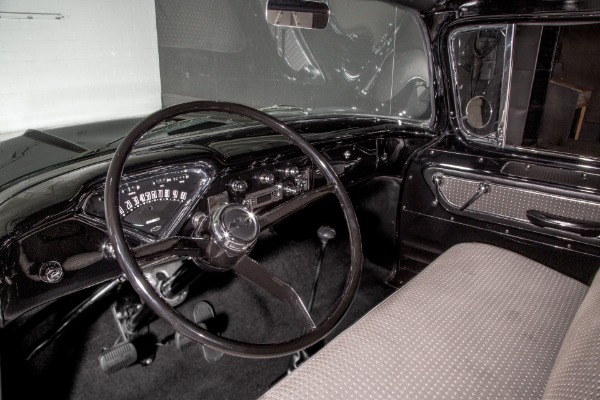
[(117, 358), (203, 311)]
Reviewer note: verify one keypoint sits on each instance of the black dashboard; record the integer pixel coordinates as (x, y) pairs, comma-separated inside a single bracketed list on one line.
[(58, 242)]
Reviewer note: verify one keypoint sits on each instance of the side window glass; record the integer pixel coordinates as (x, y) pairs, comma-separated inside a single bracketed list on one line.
[(555, 89), (529, 86), (479, 66)]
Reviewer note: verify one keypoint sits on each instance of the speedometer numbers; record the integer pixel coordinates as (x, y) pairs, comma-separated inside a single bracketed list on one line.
[(142, 199), (154, 203), (149, 204)]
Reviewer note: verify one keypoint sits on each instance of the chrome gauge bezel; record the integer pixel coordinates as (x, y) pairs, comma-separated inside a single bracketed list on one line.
[(204, 170)]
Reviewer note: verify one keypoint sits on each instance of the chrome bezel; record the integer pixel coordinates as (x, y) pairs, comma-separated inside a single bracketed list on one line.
[(496, 138), (205, 170)]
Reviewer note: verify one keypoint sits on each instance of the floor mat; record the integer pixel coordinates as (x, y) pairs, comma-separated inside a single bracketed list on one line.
[(69, 369)]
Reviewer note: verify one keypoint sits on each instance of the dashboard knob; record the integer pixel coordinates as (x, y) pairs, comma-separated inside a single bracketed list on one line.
[(290, 171), (266, 178), (299, 180), (291, 190), (239, 186)]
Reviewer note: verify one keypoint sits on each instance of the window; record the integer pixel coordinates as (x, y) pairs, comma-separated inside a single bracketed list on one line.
[(529, 86)]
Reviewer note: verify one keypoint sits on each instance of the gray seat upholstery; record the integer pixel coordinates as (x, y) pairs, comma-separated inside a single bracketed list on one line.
[(479, 322)]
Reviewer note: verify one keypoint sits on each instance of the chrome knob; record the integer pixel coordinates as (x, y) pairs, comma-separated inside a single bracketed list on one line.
[(239, 186), (326, 233), (299, 180), (290, 171), (266, 178), (291, 190)]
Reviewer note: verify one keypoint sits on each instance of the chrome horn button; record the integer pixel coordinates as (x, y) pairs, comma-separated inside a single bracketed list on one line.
[(235, 228)]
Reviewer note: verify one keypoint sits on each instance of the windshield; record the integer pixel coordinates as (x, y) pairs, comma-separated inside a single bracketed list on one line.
[(69, 63), (369, 60)]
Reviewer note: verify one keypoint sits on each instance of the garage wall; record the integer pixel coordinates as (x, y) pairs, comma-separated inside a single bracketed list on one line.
[(100, 62), (579, 52)]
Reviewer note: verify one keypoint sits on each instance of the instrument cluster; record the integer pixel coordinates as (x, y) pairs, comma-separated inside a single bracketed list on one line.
[(155, 203)]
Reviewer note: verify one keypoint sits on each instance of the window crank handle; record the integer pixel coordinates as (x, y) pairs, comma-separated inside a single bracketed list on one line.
[(437, 182), (484, 187)]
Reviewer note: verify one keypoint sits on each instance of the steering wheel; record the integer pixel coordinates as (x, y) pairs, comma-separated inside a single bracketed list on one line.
[(233, 231)]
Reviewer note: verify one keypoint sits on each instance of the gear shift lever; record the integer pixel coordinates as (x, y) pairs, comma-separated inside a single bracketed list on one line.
[(325, 234)]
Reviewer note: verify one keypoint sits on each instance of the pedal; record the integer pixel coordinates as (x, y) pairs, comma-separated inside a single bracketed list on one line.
[(203, 312), (183, 343), (117, 358)]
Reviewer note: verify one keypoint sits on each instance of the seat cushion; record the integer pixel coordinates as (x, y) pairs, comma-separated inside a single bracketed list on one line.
[(479, 322)]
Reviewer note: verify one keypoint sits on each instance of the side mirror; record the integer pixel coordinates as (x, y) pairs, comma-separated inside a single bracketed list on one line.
[(298, 14)]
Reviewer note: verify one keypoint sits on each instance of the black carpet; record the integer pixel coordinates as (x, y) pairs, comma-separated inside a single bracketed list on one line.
[(69, 368)]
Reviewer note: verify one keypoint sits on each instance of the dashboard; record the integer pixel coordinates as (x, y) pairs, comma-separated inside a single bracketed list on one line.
[(64, 247)]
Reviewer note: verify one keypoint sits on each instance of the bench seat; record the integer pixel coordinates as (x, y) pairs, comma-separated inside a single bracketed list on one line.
[(479, 322)]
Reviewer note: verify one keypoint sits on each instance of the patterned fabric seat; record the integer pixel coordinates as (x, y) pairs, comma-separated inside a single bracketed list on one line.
[(479, 322)]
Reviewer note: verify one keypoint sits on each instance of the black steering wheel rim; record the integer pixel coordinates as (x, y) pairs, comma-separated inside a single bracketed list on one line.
[(136, 277)]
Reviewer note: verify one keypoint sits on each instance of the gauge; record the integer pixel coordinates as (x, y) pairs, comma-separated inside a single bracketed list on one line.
[(155, 202)]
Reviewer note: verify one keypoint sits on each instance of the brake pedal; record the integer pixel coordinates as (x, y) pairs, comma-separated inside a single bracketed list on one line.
[(183, 343), (117, 358), (203, 312)]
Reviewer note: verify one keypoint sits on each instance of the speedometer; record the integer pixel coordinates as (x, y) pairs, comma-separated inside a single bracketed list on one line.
[(154, 203)]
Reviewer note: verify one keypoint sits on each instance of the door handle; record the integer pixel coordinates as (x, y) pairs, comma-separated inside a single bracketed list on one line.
[(581, 227)]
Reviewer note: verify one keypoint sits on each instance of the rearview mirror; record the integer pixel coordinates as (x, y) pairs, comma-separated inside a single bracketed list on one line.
[(298, 14)]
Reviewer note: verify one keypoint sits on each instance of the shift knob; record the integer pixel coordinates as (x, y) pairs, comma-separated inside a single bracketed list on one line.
[(325, 233)]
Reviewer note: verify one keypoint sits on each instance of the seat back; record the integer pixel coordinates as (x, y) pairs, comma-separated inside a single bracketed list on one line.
[(576, 371)]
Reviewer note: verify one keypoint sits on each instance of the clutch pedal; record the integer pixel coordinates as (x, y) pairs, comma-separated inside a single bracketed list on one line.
[(203, 312), (117, 358)]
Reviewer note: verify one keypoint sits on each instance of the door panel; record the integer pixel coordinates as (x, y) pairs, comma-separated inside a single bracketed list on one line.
[(432, 219), (498, 199), (493, 177)]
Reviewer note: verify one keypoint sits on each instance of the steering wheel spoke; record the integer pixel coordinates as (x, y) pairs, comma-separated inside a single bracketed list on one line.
[(289, 207), (256, 273), (173, 246)]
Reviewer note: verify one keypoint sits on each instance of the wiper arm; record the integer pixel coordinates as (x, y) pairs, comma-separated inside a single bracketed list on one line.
[(55, 141)]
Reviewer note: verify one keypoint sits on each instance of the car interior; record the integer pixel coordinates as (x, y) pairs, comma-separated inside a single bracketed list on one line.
[(299, 199)]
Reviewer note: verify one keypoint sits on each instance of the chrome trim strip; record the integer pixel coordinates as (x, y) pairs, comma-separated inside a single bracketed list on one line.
[(492, 138), (432, 78), (507, 72)]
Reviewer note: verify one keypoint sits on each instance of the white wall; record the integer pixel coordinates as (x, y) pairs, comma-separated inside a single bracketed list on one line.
[(100, 62)]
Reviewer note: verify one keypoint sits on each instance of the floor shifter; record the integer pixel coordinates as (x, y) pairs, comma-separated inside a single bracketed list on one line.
[(325, 234)]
